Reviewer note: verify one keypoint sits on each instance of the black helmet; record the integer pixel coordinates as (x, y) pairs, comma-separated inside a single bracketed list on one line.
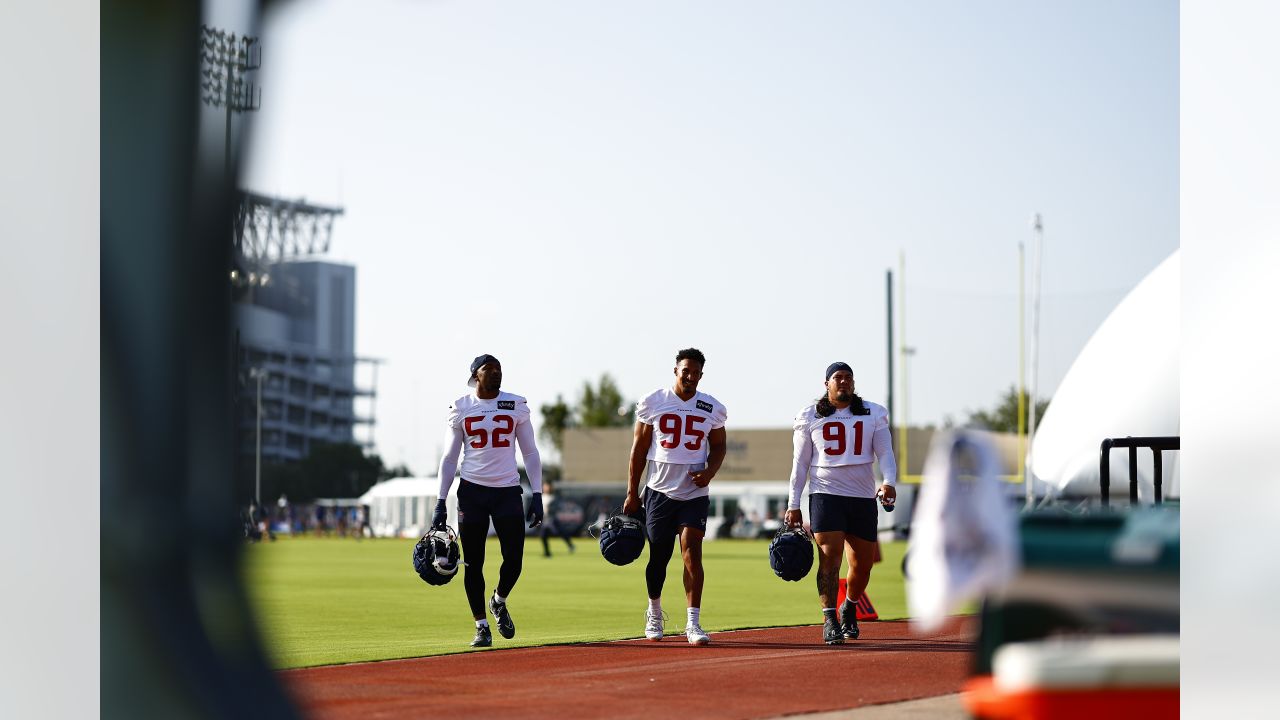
[(436, 556), (791, 553), (621, 539)]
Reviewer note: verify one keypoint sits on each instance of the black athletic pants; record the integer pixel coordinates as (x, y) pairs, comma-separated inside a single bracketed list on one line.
[(477, 505)]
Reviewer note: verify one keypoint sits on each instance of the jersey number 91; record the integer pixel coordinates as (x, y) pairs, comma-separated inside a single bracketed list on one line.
[(834, 432)]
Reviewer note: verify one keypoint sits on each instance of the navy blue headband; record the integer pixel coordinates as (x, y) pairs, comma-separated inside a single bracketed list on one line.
[(833, 367)]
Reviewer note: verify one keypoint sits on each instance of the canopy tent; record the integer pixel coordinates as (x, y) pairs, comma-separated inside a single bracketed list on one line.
[(402, 507)]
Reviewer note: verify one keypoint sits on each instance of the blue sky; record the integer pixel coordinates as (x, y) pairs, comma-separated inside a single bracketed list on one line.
[(584, 187)]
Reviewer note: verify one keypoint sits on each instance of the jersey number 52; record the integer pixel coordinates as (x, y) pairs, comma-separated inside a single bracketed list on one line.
[(501, 433)]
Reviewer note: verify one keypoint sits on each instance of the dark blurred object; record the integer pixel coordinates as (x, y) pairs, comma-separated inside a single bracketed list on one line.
[(1157, 445), (1101, 573), (1090, 625), (178, 637)]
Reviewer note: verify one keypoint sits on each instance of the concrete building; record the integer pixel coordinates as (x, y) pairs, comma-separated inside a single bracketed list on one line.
[(298, 329)]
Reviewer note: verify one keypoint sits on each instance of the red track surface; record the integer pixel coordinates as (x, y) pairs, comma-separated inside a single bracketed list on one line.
[(742, 674)]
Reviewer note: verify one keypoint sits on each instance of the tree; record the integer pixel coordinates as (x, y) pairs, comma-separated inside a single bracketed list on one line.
[(400, 470), (1004, 416), (555, 418), (601, 405), (331, 470)]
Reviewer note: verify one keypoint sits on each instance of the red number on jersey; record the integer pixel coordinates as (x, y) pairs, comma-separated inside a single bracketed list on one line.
[(480, 435), (834, 432), (691, 429), (669, 424), (502, 435)]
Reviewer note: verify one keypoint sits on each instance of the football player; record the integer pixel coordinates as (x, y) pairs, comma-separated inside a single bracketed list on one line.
[(679, 443), (834, 442), (482, 428)]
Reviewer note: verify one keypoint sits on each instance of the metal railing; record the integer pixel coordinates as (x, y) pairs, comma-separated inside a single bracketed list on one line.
[(1157, 444)]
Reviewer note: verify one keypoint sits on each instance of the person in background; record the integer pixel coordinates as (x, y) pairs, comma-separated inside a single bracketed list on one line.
[(552, 526)]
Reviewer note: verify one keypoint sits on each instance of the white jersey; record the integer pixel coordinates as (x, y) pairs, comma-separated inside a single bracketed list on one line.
[(488, 430), (680, 446), (842, 438), (833, 454)]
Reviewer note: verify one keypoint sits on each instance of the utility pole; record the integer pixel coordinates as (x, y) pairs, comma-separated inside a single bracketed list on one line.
[(258, 374), (1037, 225), (1022, 371), (888, 326), (904, 427)]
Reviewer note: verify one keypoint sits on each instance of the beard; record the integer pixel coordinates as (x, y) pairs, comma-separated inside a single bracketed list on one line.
[(844, 396)]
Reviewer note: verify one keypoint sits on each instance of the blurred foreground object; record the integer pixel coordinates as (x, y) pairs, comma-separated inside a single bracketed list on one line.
[(1090, 626), (178, 636), (964, 539), (1068, 678)]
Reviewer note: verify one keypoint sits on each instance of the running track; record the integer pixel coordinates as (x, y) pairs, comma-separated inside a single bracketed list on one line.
[(742, 674)]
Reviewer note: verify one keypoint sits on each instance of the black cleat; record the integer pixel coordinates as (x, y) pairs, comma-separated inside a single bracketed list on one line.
[(832, 634), (484, 637), (849, 621), (506, 626)]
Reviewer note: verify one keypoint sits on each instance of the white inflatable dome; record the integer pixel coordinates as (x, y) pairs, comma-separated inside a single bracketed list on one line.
[(1123, 383)]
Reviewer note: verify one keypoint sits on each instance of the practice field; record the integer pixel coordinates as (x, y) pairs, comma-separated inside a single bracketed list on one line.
[(323, 601)]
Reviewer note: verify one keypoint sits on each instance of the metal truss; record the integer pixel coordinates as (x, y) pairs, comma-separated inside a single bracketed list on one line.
[(270, 230)]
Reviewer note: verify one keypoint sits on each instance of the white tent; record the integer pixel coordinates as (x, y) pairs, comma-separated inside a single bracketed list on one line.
[(1123, 383), (402, 507)]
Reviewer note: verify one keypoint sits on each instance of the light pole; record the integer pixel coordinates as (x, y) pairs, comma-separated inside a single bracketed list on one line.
[(904, 352), (258, 374), (1022, 373), (1038, 227)]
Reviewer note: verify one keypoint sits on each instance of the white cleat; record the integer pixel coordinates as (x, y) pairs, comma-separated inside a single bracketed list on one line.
[(653, 625), (696, 636)]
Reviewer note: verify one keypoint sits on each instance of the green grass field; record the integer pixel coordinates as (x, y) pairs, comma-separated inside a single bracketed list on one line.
[(322, 601)]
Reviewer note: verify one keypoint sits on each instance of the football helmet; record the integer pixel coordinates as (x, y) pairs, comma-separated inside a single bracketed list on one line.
[(436, 557), (791, 553), (621, 539)]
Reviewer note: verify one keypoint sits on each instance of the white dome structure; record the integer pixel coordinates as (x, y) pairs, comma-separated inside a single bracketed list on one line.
[(1123, 383)]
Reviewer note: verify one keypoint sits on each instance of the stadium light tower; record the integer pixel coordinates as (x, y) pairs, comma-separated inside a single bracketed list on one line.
[(224, 60)]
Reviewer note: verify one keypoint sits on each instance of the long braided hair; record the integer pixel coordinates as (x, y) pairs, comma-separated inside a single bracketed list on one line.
[(825, 407)]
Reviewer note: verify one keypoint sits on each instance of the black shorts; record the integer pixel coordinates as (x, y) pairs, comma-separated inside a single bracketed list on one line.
[(479, 503), (839, 513), (664, 515)]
